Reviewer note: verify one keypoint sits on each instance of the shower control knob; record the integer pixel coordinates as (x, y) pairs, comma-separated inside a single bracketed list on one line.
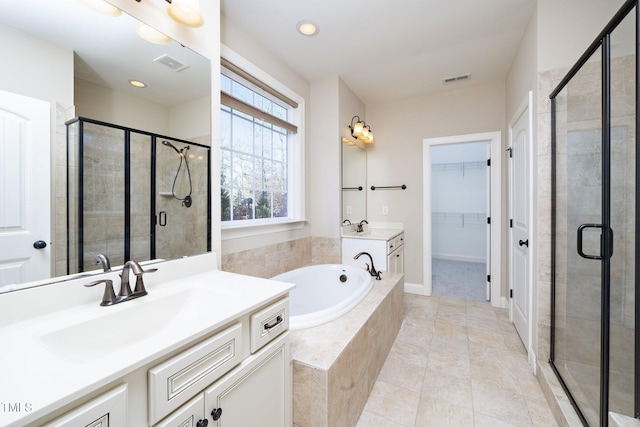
[(39, 244)]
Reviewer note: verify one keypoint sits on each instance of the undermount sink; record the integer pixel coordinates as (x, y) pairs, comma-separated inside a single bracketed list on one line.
[(129, 323)]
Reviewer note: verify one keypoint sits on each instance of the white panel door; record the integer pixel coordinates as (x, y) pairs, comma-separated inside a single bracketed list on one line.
[(25, 211), (520, 131)]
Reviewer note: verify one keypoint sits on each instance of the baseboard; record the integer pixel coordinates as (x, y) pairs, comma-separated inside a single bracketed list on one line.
[(414, 288), (463, 258), (504, 302)]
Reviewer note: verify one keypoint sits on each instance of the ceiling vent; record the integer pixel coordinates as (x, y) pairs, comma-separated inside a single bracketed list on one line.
[(170, 62), (456, 78)]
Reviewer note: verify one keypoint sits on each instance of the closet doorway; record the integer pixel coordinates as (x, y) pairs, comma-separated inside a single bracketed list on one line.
[(459, 208)]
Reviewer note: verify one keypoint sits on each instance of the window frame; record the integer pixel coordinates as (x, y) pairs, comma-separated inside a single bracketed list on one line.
[(295, 160)]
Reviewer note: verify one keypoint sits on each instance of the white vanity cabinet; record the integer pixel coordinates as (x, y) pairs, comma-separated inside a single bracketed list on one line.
[(386, 247), (106, 410)]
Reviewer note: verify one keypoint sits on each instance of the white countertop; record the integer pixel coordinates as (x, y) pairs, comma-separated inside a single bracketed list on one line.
[(44, 364), (374, 233)]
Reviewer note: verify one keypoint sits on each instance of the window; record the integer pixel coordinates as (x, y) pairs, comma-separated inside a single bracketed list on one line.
[(257, 143)]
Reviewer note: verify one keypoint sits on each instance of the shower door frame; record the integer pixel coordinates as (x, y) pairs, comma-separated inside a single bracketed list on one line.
[(127, 188), (603, 42)]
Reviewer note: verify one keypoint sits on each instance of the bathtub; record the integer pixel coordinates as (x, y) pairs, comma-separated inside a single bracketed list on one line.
[(324, 292)]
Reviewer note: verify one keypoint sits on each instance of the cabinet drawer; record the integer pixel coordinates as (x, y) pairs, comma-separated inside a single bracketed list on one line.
[(109, 409), (268, 323), (395, 243), (187, 416), (178, 379)]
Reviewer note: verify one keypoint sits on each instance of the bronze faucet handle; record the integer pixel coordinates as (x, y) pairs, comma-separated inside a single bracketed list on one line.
[(109, 296)]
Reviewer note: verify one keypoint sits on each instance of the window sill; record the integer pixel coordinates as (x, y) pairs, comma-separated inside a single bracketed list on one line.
[(238, 230)]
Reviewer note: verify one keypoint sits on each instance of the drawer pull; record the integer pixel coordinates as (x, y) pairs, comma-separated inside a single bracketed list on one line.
[(279, 320), (202, 423), (216, 414)]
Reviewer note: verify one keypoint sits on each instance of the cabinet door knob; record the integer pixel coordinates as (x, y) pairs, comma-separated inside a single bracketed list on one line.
[(202, 423), (216, 414)]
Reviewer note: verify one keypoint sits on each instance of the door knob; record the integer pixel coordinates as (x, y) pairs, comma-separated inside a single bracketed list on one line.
[(524, 243), (39, 244)]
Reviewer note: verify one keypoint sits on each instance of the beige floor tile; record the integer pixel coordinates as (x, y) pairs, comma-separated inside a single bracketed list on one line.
[(447, 388), (402, 373), (435, 413), (501, 404), (393, 403), (496, 374), (472, 368), (367, 419)]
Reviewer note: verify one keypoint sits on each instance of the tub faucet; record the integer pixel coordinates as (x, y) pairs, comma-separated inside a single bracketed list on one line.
[(360, 229), (104, 260), (372, 269)]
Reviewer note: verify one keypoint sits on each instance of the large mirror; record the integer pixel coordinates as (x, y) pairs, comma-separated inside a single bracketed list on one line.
[(82, 62), (354, 182)]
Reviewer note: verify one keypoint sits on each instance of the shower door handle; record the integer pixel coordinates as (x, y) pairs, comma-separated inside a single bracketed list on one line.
[(587, 256), (162, 218)]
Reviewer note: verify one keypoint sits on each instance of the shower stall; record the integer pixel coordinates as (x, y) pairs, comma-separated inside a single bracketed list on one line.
[(595, 246), (134, 195)]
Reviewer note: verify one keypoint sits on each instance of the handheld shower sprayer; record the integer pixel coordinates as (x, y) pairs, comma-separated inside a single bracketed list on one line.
[(187, 200)]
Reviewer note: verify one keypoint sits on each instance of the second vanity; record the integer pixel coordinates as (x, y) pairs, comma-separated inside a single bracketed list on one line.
[(204, 347), (385, 245)]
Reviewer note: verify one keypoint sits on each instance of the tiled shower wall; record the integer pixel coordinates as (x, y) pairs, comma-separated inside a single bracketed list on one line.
[(185, 230), (578, 305)]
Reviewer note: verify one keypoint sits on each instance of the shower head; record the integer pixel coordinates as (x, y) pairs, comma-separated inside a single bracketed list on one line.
[(168, 144)]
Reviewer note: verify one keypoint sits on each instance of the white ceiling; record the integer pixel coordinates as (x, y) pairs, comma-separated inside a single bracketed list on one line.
[(384, 49)]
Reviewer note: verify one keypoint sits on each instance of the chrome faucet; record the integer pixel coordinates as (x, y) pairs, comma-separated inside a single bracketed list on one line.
[(109, 297), (372, 269), (359, 229), (104, 260)]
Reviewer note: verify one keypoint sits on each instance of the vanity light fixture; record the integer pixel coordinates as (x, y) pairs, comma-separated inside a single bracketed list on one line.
[(152, 35), (307, 28), (137, 83), (360, 130), (185, 12), (102, 7)]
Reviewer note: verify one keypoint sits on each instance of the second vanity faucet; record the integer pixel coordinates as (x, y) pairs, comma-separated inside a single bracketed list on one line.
[(359, 228), (109, 297)]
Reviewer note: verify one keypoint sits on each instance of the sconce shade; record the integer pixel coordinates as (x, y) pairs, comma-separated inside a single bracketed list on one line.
[(357, 129), (152, 35), (186, 12), (368, 139), (102, 7)]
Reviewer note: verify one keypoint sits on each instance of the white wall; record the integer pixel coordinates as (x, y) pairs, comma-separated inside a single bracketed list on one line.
[(34, 67), (566, 28), (396, 156)]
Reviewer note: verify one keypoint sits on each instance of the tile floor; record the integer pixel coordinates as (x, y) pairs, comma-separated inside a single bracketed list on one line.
[(456, 363)]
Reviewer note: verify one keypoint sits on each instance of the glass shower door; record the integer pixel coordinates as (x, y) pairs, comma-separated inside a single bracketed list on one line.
[(578, 222)]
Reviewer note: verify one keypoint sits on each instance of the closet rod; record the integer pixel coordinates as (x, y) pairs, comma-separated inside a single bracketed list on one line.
[(404, 187)]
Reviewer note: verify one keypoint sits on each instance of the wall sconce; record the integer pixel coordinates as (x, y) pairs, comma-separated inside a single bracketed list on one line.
[(185, 12), (360, 130)]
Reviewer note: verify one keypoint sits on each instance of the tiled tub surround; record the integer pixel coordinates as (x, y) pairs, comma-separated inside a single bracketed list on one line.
[(271, 260), (335, 365), (575, 310)]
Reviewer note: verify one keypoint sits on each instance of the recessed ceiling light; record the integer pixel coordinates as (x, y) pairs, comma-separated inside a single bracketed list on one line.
[(137, 83), (307, 28)]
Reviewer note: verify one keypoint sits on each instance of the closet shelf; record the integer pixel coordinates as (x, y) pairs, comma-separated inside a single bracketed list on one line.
[(461, 166), (459, 218)]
